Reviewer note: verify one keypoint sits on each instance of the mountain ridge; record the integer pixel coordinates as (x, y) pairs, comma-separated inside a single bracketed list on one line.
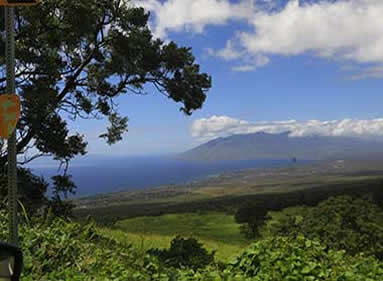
[(262, 145)]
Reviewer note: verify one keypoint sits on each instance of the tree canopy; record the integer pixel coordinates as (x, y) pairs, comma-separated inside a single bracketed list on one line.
[(67, 51)]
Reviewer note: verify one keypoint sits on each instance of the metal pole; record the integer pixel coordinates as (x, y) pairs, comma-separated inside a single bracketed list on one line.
[(12, 168)]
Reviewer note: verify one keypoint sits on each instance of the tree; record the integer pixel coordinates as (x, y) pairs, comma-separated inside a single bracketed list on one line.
[(251, 215), (187, 252), (65, 53), (32, 189)]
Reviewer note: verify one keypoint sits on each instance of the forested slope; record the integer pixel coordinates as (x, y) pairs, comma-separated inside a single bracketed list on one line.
[(288, 248)]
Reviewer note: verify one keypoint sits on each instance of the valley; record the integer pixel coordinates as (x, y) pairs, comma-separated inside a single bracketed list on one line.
[(205, 210), (226, 191)]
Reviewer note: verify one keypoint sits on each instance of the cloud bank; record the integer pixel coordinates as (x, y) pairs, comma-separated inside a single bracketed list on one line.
[(205, 129), (194, 15), (343, 29), (339, 30)]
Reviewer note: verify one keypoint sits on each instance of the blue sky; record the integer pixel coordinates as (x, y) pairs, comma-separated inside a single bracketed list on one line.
[(313, 67)]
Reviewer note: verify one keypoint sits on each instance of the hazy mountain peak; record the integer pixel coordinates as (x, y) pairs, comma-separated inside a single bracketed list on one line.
[(262, 145)]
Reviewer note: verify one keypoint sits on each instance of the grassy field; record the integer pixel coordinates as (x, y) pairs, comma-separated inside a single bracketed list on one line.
[(152, 218), (217, 231)]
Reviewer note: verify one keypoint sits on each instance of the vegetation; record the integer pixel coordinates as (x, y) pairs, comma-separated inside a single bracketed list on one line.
[(342, 223), (281, 258), (32, 193), (184, 253), (67, 51), (111, 208), (31, 189), (57, 249), (210, 225), (217, 231), (254, 213)]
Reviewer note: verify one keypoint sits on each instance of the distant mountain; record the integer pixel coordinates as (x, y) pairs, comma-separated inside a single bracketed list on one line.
[(280, 146)]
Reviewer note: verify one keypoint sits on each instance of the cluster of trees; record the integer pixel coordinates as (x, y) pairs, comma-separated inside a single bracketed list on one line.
[(253, 214), (66, 51), (346, 222), (340, 223)]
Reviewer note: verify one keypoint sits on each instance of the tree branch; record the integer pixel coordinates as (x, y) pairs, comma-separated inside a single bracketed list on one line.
[(19, 146), (33, 158)]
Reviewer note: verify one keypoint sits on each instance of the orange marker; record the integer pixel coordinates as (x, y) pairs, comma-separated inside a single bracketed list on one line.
[(12, 3), (9, 114)]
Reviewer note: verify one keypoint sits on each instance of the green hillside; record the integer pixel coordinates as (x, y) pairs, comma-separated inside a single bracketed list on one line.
[(287, 249), (217, 231)]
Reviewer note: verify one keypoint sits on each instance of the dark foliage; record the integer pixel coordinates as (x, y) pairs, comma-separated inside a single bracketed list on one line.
[(59, 208), (184, 253), (378, 196), (253, 214), (342, 223), (232, 204), (31, 189)]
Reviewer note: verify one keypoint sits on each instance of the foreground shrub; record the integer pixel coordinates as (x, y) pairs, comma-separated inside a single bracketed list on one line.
[(283, 258), (61, 250)]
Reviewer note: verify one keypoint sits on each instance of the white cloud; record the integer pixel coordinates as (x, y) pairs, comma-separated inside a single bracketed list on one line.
[(347, 67), (193, 15), (227, 53), (261, 60), (370, 72), (244, 68), (220, 126), (351, 30), (340, 30), (252, 63), (232, 52)]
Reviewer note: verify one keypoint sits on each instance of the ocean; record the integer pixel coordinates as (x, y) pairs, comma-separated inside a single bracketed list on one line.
[(127, 173)]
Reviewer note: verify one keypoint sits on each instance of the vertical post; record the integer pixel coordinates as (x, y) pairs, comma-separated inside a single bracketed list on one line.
[(12, 169)]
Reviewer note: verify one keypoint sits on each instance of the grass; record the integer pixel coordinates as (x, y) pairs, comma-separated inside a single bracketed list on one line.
[(217, 231)]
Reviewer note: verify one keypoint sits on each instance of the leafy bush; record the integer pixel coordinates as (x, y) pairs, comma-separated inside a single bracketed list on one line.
[(342, 223), (282, 258), (184, 253), (63, 250), (57, 249)]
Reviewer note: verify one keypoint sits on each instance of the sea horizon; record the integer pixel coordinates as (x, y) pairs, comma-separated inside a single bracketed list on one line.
[(116, 174)]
